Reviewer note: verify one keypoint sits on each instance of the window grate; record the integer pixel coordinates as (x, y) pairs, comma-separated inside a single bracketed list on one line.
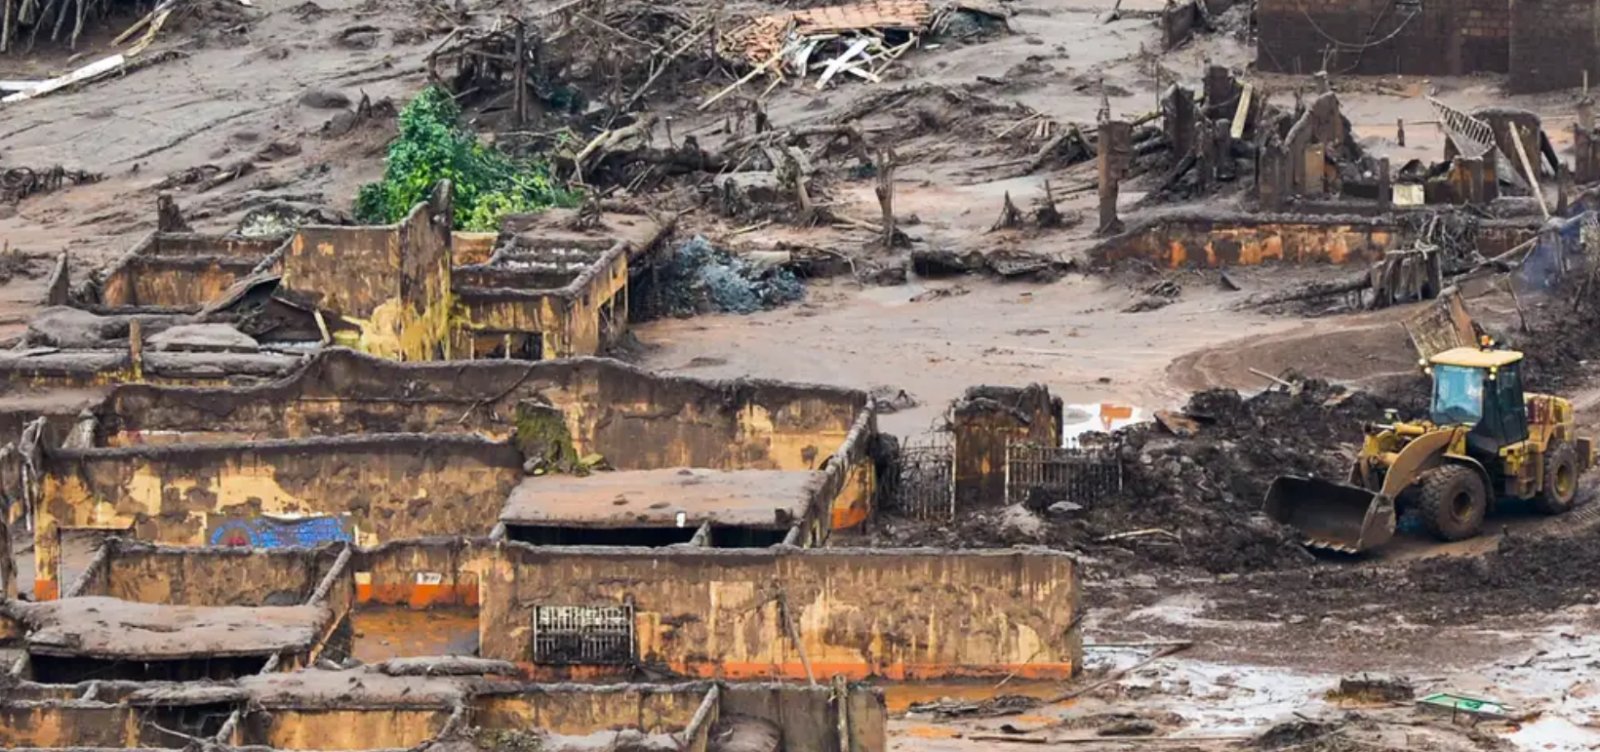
[(594, 635)]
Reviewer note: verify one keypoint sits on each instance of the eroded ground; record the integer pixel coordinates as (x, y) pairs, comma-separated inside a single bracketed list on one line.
[(1268, 645)]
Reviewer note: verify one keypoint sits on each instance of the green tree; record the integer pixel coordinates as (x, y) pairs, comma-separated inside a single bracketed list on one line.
[(432, 146)]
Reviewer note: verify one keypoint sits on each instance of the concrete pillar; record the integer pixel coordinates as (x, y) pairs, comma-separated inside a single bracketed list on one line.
[(1385, 186), (1219, 89), (1205, 154), (1272, 170), (1585, 150), (1115, 145), (1467, 177), (1178, 120), (8, 565), (1221, 131), (1564, 188)]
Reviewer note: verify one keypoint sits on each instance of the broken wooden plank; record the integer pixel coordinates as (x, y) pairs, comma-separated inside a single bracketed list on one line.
[(1533, 177), (839, 62), (743, 80), (97, 68), (1241, 114)]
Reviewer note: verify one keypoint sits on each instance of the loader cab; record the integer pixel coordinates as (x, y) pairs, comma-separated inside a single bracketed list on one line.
[(1482, 389)]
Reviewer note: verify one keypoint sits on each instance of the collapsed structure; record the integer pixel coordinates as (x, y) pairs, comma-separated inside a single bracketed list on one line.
[(1542, 44), (184, 307), (565, 519)]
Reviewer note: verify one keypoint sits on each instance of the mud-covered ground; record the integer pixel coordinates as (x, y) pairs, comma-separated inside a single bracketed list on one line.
[(278, 86)]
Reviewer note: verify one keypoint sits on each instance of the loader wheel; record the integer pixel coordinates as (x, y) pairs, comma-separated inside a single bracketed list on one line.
[(1560, 481), (1453, 502)]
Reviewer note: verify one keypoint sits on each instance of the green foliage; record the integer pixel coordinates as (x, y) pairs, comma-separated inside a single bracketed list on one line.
[(432, 147)]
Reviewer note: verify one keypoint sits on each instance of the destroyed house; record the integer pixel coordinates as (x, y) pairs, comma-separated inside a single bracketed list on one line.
[(576, 517), (142, 612), (174, 272), (406, 705), (540, 298), (1542, 44), (372, 451), (189, 308)]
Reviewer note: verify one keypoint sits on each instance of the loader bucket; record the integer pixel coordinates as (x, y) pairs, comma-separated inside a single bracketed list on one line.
[(1335, 516)]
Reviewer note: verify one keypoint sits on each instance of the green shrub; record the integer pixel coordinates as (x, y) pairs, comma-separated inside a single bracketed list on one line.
[(431, 147)]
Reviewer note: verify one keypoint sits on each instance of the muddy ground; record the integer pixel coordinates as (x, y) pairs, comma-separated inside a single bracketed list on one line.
[(1506, 615)]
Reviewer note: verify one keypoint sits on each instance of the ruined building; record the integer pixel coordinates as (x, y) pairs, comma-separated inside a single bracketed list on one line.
[(1543, 44)]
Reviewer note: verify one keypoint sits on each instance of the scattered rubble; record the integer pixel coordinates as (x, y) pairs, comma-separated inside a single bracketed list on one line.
[(700, 278)]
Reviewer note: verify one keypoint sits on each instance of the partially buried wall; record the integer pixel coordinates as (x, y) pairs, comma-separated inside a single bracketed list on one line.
[(1223, 240), (393, 281), (374, 488), (571, 314), (907, 614), (146, 573), (180, 271), (637, 420), (404, 713), (1381, 37)]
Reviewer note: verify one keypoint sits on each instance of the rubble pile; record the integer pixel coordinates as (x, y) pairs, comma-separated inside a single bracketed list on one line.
[(700, 278), (1523, 575), (1206, 489), (1190, 500)]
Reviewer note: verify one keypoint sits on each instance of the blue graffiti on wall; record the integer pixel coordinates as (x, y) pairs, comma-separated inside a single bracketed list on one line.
[(266, 532)]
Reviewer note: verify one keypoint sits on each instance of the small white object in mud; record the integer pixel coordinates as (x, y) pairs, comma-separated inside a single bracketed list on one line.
[(1020, 521)]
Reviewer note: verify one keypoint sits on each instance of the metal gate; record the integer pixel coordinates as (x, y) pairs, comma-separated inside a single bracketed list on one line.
[(564, 635), (1080, 475), (925, 487)]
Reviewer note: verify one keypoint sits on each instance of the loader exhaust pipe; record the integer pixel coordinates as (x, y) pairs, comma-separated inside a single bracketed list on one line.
[(1335, 516)]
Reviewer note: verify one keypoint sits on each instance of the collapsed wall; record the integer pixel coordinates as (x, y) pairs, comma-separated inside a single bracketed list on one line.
[(737, 613), (140, 612), (1222, 239), (384, 707), (396, 451)]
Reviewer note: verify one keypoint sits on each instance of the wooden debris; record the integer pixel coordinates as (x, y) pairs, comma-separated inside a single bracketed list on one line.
[(1010, 216), (885, 190)]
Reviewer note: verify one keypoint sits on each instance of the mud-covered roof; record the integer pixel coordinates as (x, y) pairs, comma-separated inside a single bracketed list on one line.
[(655, 498), (357, 687), (103, 627)]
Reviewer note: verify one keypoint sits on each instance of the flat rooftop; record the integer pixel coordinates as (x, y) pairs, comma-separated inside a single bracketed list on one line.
[(113, 628), (655, 498)]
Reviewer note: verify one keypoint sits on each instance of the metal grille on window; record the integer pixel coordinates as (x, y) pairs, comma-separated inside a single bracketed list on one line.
[(1081, 475), (582, 634)]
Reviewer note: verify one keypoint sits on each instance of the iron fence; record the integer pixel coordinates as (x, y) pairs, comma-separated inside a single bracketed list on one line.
[(924, 488), (1078, 474)]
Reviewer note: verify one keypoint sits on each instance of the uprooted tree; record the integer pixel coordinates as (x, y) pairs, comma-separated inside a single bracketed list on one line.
[(432, 146)]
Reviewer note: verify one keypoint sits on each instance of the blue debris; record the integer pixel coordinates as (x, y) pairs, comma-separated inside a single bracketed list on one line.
[(701, 278)]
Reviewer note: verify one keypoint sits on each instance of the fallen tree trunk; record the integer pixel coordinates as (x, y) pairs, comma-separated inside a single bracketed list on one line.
[(1317, 290)]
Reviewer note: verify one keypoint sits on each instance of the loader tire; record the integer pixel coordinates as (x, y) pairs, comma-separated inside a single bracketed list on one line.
[(1560, 481), (1453, 502)]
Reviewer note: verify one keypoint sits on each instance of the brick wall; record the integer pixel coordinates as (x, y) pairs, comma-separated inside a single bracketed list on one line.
[(1447, 37), (1552, 43)]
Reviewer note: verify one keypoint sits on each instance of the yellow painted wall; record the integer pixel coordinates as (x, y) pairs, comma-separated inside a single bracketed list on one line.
[(900, 615)]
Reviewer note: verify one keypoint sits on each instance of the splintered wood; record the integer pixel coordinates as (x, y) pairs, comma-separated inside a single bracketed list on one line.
[(763, 37), (845, 41)]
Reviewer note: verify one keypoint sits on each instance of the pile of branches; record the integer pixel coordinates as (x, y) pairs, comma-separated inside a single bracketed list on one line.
[(584, 63), (18, 183)]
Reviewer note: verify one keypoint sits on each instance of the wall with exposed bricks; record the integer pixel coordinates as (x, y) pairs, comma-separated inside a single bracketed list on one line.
[(1553, 42), (1215, 241), (1382, 37)]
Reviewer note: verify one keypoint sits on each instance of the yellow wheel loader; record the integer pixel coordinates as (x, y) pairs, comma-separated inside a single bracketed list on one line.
[(1484, 441)]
